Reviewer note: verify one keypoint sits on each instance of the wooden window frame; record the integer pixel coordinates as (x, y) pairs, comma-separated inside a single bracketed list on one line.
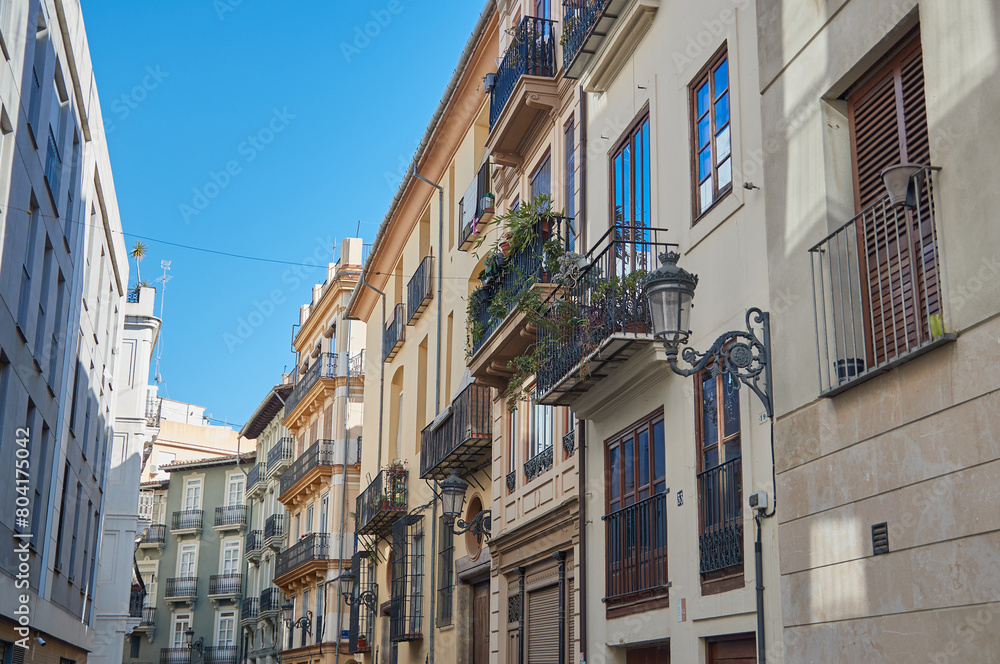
[(628, 139), (706, 75), (647, 422)]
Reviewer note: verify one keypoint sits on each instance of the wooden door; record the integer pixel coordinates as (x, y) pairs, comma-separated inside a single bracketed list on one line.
[(481, 623), (742, 650), (652, 655)]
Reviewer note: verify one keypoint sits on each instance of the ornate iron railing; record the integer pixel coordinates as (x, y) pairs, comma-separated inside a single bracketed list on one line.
[(357, 363), (186, 586), (180, 655), (532, 52), (474, 205), (520, 271), (511, 481), (363, 602), (325, 366), (877, 290), (602, 300), (314, 546), (187, 520), (579, 19), (274, 526), (319, 454), (250, 608), (253, 477), (720, 509), (155, 534), (383, 501), (253, 542), (282, 451), (270, 600), (136, 602), (133, 295), (148, 616), (462, 441), (538, 464), (231, 515), (220, 654), (418, 289), (225, 584), (636, 548), (394, 333), (569, 442)]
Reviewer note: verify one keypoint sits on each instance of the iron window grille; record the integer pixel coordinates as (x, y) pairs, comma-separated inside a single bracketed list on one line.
[(446, 573), (418, 290), (406, 602), (364, 596)]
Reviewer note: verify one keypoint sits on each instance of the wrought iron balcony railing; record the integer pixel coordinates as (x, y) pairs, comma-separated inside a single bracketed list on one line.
[(187, 520), (253, 543), (311, 547), (274, 526), (877, 290), (220, 654), (383, 501), (180, 655), (597, 316), (538, 464), (148, 616), (418, 290), (185, 586), (253, 477), (461, 441), (394, 333), (532, 52), (585, 25), (319, 454), (511, 481), (250, 609), (720, 505), (519, 271), (136, 601), (270, 601), (281, 453), (155, 534), (476, 207), (636, 548), (225, 584), (231, 515), (325, 366), (569, 442)]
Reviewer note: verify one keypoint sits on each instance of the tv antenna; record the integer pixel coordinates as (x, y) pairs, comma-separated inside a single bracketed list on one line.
[(159, 340)]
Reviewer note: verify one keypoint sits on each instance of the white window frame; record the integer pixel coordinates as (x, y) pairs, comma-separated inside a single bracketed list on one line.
[(178, 638), (232, 544), (310, 516), (184, 548), (228, 615), (324, 513), (189, 484), (239, 480)]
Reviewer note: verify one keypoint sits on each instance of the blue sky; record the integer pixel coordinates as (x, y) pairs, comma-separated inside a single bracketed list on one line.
[(239, 126)]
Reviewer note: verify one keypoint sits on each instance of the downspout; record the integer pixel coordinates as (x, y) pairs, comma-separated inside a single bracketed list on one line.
[(581, 451), (437, 401), (520, 616), (343, 494), (759, 562), (246, 577), (561, 557)]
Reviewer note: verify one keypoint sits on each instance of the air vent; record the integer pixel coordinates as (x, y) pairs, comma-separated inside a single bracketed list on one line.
[(880, 538)]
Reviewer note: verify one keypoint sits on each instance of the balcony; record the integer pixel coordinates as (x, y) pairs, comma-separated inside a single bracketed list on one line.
[(225, 586), (186, 522), (154, 406), (148, 619), (220, 655), (327, 366), (182, 589), (476, 208), (586, 24), (136, 601), (311, 552), (720, 506), (500, 332), (538, 464), (394, 333), (250, 609), (418, 290), (877, 290), (255, 486), (154, 536), (230, 517), (314, 464), (274, 531), (180, 655), (636, 546), (253, 544), (382, 503), (524, 89), (602, 318), (462, 439), (270, 603), (280, 455)]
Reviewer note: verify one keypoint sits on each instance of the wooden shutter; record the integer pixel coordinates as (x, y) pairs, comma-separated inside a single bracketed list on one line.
[(888, 121), (543, 626), (481, 623), (733, 651)]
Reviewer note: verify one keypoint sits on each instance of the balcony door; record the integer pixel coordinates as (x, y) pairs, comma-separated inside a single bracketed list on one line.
[(187, 561), (235, 494), (231, 557), (225, 633), (182, 622), (192, 494), (898, 264), (542, 9)]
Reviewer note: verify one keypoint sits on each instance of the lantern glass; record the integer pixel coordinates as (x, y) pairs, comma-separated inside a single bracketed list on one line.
[(453, 495), (670, 309)]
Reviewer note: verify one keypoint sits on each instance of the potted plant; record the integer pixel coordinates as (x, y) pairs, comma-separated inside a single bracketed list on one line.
[(488, 204), (362, 642)]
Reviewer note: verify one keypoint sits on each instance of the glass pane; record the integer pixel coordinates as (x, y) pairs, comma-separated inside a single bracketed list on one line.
[(711, 459), (704, 164), (618, 188), (629, 469), (722, 78), (627, 180), (705, 194), (702, 95), (615, 470), (645, 174), (659, 452), (722, 111), (725, 173), (643, 460), (732, 449), (704, 131), (731, 406), (709, 410), (722, 146)]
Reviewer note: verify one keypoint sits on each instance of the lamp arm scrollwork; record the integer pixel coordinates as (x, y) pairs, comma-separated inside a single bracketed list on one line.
[(479, 525)]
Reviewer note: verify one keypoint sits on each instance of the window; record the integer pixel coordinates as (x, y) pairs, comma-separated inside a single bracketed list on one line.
[(720, 477), (541, 180), (543, 8), (713, 168), (540, 423), (569, 195), (630, 176), (303, 608), (406, 601), (225, 633), (309, 518), (636, 519), (231, 557), (446, 573), (187, 561), (235, 494), (514, 435), (324, 513), (76, 530), (192, 494), (362, 625), (182, 621)]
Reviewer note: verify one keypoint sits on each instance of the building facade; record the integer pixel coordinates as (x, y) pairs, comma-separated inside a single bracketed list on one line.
[(191, 566), (885, 397), (323, 413)]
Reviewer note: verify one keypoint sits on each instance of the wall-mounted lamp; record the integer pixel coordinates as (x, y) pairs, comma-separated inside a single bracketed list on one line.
[(452, 499)]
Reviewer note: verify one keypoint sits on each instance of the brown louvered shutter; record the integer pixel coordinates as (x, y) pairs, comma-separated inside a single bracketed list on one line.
[(571, 657), (543, 626), (889, 126)]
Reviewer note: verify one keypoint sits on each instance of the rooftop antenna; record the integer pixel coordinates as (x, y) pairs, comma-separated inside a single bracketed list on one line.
[(159, 340)]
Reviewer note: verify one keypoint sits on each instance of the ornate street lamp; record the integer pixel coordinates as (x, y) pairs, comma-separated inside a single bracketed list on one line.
[(367, 599), (196, 646), (305, 622), (742, 355), (452, 499)]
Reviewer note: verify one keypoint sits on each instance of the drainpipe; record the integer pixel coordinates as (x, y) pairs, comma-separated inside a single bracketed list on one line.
[(437, 399), (381, 375), (581, 461), (520, 616), (561, 557), (759, 562)]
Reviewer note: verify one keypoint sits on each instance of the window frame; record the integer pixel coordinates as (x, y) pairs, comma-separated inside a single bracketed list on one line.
[(647, 423), (627, 139), (706, 74)]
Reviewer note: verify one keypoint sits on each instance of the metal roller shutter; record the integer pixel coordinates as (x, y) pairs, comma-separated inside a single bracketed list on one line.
[(543, 626)]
